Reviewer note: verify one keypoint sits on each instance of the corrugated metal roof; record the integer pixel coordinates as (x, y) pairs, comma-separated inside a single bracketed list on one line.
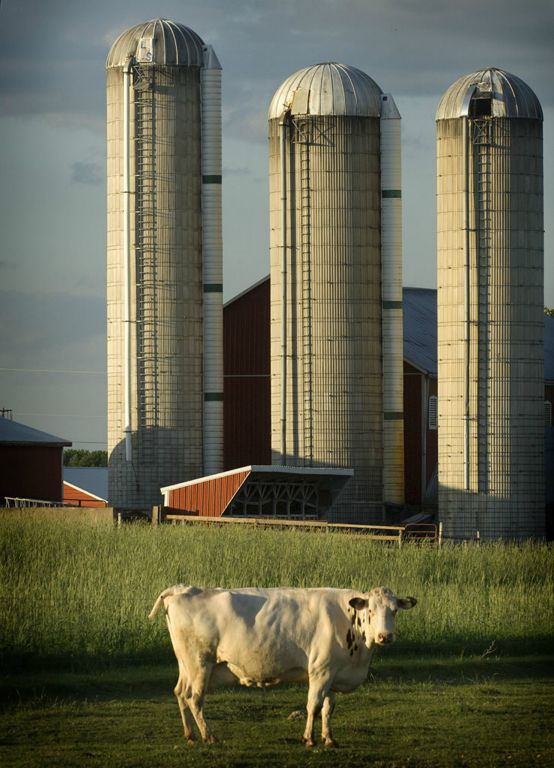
[(214, 494), (14, 433), (93, 480), (327, 89), (420, 332), (511, 97), (171, 43), (275, 471), (420, 328)]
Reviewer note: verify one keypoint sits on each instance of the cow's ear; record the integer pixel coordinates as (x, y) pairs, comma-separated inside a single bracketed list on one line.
[(406, 602), (358, 603)]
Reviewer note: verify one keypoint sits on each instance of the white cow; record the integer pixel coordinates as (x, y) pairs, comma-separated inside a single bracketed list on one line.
[(261, 637)]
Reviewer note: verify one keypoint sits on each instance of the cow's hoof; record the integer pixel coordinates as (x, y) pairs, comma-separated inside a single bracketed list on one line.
[(308, 742), (209, 740), (328, 742)]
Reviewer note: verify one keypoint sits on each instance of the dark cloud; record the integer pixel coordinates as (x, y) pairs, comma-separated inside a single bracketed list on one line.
[(39, 326), (87, 173), (53, 54)]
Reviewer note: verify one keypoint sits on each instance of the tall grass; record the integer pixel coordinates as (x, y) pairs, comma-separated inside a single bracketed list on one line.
[(75, 591)]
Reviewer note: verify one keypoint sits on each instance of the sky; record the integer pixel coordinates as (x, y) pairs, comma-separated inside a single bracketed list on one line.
[(53, 154)]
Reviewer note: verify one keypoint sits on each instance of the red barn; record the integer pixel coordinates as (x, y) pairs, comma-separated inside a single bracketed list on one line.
[(85, 486), (247, 388), (31, 463)]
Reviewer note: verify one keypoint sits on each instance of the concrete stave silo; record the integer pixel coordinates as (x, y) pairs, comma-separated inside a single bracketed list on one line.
[(326, 283), (490, 307), (159, 222)]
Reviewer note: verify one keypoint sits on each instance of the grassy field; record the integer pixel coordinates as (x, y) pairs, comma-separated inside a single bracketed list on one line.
[(86, 680)]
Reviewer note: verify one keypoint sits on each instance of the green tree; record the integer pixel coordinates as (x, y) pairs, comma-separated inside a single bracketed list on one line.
[(73, 457)]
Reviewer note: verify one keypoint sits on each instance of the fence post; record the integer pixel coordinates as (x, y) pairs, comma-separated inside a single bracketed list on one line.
[(440, 535)]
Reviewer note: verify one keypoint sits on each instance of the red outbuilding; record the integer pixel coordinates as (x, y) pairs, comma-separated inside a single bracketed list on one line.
[(31, 463)]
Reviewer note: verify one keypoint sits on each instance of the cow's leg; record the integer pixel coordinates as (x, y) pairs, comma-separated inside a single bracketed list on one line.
[(326, 712), (186, 717), (195, 693), (317, 692)]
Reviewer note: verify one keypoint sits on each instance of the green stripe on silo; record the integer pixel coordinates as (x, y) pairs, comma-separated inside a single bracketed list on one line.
[(392, 305), (213, 397), (213, 179), (213, 288), (391, 193), (393, 416)]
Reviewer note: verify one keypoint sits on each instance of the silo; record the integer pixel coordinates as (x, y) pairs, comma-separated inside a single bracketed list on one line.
[(327, 295), (165, 406), (490, 308)]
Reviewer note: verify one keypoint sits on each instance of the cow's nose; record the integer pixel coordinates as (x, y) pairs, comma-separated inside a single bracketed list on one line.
[(385, 637)]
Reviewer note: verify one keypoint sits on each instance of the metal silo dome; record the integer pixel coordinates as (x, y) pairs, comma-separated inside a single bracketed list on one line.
[(501, 93), (327, 89), (159, 41)]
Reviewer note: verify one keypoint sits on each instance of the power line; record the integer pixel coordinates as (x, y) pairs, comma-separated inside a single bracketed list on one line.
[(52, 370), (63, 415)]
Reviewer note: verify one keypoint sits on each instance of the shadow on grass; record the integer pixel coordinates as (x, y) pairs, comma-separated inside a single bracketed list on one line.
[(16, 661), (144, 680)]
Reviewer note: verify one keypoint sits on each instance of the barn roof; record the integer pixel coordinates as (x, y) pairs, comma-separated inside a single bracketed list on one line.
[(420, 328), (420, 332), (91, 480), (14, 433)]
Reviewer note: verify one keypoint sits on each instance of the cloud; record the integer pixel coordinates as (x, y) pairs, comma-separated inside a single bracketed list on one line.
[(53, 55), (83, 172), (36, 329), (228, 171)]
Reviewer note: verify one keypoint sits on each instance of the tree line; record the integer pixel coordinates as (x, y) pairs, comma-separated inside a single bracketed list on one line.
[(74, 457)]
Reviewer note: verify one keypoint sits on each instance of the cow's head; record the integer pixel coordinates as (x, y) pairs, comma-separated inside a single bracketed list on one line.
[(375, 614)]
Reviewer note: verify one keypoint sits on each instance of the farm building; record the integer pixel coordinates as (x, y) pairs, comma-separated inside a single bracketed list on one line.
[(267, 491), (31, 463), (85, 486), (247, 388), (247, 385)]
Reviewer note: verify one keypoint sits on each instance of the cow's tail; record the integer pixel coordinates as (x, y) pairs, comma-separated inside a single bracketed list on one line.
[(176, 590)]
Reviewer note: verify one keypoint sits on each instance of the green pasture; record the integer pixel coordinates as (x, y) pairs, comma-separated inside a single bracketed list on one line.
[(87, 680)]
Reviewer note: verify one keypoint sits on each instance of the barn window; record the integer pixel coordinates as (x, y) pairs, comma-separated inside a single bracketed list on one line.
[(432, 412), (548, 413)]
